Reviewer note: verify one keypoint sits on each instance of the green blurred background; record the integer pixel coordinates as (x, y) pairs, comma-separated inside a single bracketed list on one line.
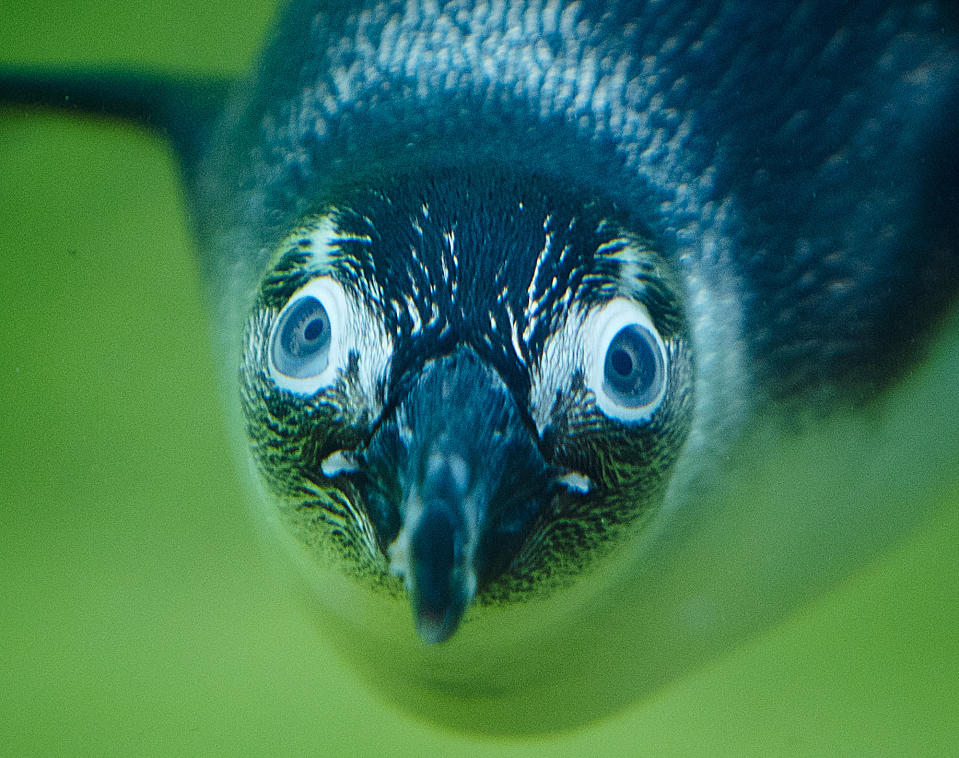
[(139, 612)]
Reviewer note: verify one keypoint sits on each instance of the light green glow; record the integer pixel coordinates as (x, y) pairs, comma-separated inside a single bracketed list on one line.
[(140, 614)]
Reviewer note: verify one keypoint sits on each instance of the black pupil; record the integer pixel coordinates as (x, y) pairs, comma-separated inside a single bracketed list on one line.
[(621, 362), (314, 329), (633, 368)]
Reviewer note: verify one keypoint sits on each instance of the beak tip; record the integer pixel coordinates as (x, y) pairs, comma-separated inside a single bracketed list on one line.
[(434, 629), (437, 618), (440, 588)]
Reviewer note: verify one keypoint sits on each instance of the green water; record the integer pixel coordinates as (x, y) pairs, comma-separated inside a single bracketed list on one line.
[(140, 613)]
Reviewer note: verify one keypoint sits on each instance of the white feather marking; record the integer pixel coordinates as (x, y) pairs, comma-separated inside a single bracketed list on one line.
[(414, 314), (340, 462), (576, 482), (532, 302)]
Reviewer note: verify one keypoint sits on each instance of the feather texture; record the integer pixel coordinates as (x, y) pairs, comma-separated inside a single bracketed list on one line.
[(796, 158)]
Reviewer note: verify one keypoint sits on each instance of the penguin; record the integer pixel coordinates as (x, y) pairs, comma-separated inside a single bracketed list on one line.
[(499, 286)]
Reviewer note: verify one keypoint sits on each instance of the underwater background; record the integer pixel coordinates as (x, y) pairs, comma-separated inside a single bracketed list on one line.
[(142, 613)]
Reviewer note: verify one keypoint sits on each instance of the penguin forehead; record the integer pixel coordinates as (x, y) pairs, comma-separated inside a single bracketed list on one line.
[(490, 261)]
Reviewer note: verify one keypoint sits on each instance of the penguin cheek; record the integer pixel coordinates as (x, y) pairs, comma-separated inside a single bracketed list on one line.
[(608, 455), (631, 460)]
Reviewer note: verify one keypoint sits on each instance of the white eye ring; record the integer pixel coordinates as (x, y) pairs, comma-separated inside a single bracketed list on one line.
[(627, 360), (298, 376)]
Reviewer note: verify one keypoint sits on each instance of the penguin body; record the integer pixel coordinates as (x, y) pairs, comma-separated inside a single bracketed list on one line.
[(702, 118), (503, 284)]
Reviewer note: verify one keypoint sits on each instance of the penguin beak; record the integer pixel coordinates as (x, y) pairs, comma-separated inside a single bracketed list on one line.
[(459, 469)]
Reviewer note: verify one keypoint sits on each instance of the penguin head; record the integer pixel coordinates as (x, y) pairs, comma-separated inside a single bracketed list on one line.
[(466, 387)]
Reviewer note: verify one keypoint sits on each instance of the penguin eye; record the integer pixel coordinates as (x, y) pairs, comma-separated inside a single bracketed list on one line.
[(628, 363), (634, 368), (311, 337), (301, 340)]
